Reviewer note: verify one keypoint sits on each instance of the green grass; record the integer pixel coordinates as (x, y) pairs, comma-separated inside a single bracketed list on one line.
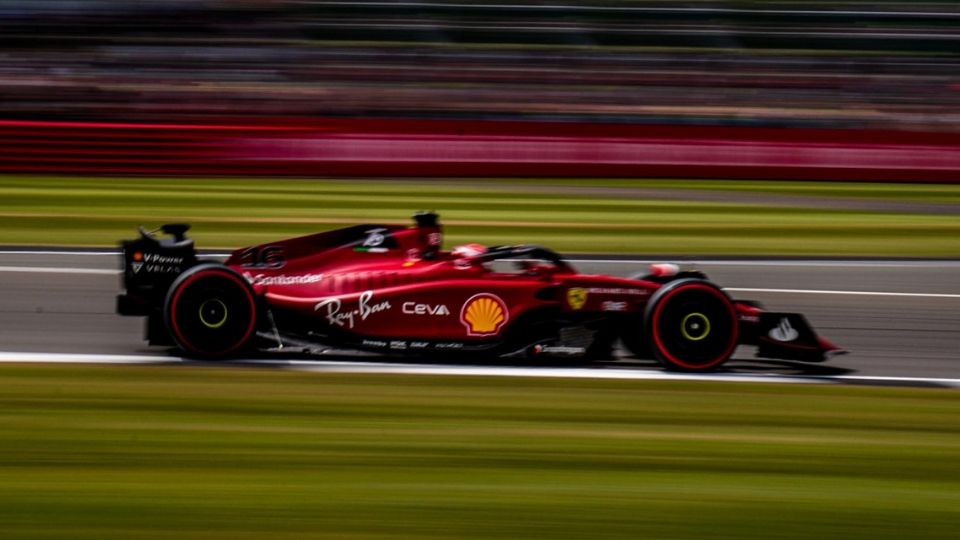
[(189, 452), (885, 191), (236, 212)]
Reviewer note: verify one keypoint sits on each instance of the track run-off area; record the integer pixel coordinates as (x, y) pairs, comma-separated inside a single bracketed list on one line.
[(900, 320)]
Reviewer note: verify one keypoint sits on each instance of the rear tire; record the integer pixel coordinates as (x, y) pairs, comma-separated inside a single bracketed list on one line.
[(210, 311), (691, 325)]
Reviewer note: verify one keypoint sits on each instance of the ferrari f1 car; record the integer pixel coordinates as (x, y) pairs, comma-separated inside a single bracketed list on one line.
[(393, 290)]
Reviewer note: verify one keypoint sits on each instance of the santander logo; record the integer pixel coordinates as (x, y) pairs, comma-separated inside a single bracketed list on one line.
[(784, 331)]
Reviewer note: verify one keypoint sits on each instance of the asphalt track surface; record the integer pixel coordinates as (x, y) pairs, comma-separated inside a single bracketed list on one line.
[(898, 319)]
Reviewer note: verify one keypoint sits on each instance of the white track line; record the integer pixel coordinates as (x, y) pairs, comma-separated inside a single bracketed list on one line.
[(482, 371), (849, 293), (643, 9), (49, 270), (546, 372), (70, 358), (39, 252), (90, 253), (623, 374)]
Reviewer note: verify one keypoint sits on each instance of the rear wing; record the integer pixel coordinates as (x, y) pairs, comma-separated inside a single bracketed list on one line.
[(150, 265)]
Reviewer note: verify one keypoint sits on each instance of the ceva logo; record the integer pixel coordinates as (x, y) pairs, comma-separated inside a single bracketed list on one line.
[(413, 308)]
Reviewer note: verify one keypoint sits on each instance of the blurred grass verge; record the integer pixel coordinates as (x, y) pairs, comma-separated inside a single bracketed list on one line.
[(236, 212), (191, 452)]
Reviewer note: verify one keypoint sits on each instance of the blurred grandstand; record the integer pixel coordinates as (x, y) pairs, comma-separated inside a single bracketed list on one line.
[(893, 64)]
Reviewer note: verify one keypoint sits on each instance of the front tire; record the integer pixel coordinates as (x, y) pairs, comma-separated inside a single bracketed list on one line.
[(691, 325), (210, 311)]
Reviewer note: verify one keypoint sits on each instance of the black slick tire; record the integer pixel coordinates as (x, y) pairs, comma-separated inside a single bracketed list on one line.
[(691, 325), (210, 312)]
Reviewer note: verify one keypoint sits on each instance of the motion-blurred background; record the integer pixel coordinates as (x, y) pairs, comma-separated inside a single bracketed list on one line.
[(698, 94), (736, 62)]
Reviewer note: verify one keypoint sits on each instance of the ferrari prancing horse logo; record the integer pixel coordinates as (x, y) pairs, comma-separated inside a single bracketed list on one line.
[(577, 298)]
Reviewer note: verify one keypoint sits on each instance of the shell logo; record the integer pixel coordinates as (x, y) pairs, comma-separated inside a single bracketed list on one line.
[(484, 314)]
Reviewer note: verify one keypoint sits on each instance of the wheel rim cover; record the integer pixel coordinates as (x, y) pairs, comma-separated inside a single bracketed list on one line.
[(213, 313), (695, 326)]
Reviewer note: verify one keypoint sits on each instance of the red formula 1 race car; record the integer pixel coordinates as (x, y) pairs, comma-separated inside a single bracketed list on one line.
[(392, 290)]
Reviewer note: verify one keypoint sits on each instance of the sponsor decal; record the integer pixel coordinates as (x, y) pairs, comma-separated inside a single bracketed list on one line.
[(413, 308), (371, 250), (154, 263), (618, 290), (448, 345), (162, 269), (576, 298), (419, 344), (559, 350), (784, 331), (750, 318), (398, 345), (484, 314), (375, 237), (283, 279), (610, 305), (155, 258), (266, 257), (374, 343), (331, 309)]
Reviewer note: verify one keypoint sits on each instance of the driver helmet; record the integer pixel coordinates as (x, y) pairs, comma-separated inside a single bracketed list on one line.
[(468, 251)]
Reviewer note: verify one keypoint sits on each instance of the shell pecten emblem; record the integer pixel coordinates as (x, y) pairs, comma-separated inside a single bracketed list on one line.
[(484, 314), (576, 298)]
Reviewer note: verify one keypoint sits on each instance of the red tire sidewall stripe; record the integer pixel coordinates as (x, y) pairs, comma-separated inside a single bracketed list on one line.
[(176, 298), (733, 316)]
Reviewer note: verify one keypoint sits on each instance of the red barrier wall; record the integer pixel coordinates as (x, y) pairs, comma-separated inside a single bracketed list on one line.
[(364, 147)]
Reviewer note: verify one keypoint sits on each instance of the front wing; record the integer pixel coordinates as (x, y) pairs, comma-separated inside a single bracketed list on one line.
[(789, 336)]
